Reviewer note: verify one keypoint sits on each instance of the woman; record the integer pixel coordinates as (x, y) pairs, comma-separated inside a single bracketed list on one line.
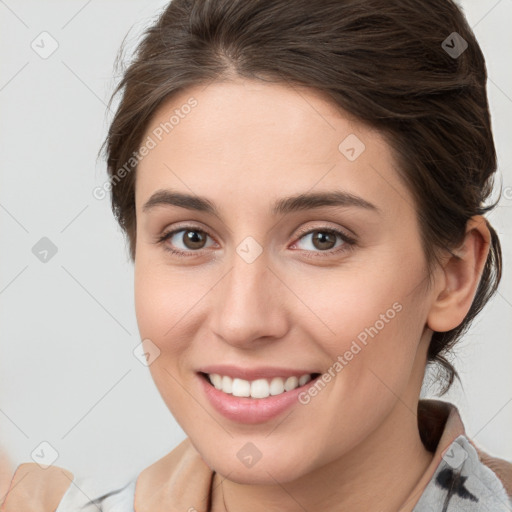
[(302, 185)]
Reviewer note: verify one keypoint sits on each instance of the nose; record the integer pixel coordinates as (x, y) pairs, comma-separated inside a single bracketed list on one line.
[(249, 304)]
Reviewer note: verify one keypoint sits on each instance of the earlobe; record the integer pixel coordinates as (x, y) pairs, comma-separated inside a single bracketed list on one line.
[(462, 272)]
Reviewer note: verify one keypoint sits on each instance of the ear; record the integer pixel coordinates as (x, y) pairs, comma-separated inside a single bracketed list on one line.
[(460, 277)]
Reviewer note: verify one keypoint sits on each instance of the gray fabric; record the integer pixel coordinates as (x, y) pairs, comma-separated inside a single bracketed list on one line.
[(461, 483)]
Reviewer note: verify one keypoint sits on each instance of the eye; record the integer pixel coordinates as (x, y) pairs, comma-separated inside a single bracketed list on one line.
[(192, 240), (323, 240)]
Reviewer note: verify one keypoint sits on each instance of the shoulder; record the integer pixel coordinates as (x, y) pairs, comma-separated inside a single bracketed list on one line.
[(35, 488), (54, 489)]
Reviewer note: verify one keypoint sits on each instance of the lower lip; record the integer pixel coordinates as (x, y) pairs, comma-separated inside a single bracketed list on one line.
[(251, 410)]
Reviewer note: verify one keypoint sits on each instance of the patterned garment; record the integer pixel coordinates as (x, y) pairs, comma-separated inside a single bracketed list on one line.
[(460, 478), (462, 482)]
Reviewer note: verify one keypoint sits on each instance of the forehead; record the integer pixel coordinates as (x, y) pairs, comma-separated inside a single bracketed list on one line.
[(251, 141)]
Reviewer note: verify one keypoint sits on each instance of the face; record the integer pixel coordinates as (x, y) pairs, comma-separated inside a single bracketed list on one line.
[(252, 282)]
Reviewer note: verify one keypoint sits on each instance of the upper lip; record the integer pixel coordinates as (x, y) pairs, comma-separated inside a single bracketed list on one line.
[(251, 374)]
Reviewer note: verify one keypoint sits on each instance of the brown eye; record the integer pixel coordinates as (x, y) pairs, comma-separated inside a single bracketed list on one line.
[(184, 241), (323, 240), (194, 239)]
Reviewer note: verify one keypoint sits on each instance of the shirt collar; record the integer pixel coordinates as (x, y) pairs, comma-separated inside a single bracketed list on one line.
[(439, 424), (456, 480)]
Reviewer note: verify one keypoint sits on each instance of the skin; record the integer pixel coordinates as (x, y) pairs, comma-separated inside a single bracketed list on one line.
[(356, 445)]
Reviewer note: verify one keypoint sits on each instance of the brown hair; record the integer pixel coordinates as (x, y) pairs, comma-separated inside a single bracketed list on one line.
[(387, 62)]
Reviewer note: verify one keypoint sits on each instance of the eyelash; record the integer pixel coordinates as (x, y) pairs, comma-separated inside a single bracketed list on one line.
[(348, 241)]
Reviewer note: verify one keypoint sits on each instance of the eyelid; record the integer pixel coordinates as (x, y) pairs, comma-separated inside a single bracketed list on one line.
[(325, 227)]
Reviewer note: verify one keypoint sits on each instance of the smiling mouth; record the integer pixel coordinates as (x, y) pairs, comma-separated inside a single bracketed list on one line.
[(259, 388)]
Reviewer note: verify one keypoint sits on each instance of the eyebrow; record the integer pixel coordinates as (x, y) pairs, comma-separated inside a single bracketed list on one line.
[(295, 203)]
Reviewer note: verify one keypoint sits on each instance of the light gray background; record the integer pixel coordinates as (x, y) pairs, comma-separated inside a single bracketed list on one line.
[(67, 372)]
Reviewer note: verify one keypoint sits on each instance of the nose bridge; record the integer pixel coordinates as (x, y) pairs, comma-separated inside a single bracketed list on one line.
[(249, 270), (246, 300)]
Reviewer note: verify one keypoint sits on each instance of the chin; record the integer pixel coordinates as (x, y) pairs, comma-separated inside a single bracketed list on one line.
[(263, 472)]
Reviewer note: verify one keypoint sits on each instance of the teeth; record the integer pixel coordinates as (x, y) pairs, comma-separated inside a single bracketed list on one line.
[(227, 384), (291, 383), (216, 380), (277, 386), (304, 379), (240, 387), (260, 388)]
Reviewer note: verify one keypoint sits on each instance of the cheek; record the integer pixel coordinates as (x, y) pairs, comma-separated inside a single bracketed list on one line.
[(369, 321), (358, 305), (168, 302), (156, 303), (161, 318)]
